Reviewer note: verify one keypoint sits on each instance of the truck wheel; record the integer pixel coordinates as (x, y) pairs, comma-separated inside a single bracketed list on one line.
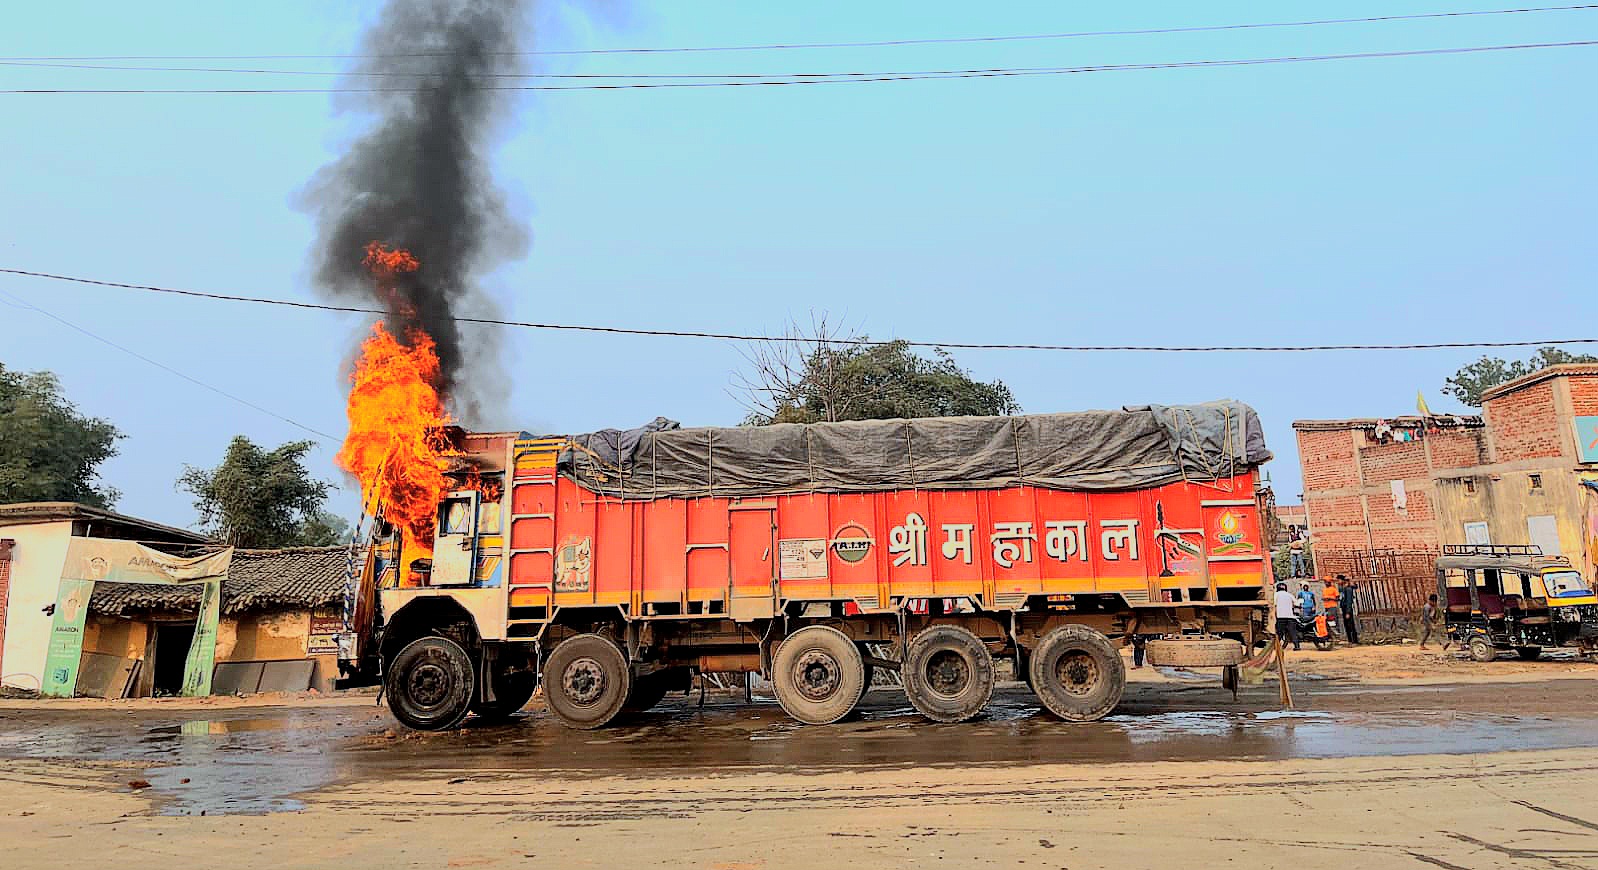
[(1530, 653), (1077, 673), (948, 673), (818, 674), (429, 684), (650, 689), (1482, 649), (586, 681), (512, 691)]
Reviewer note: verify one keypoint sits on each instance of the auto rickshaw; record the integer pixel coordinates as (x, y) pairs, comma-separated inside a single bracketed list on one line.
[(1503, 597)]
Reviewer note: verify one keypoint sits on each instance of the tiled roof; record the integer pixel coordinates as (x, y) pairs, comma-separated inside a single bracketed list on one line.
[(304, 577)]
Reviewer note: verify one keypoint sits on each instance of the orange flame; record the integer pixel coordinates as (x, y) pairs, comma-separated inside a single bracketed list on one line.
[(386, 265), (396, 447)]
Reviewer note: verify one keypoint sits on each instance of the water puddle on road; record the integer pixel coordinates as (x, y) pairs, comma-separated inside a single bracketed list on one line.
[(260, 762), (213, 766)]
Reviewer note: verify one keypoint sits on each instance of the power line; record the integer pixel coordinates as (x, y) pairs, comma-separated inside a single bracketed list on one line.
[(1203, 28), (166, 368), (729, 336), (886, 77)]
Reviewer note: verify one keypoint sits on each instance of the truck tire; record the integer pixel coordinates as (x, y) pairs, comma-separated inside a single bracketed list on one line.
[(650, 689), (429, 684), (512, 691), (818, 674), (1209, 652), (586, 681), (948, 673), (1077, 673), (1482, 649), (1529, 653)]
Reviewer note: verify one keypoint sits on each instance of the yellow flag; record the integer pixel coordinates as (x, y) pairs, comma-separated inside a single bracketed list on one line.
[(1420, 404)]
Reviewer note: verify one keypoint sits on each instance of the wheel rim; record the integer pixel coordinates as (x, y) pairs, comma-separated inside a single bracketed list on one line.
[(583, 682), (428, 684), (947, 673), (1077, 673), (817, 675)]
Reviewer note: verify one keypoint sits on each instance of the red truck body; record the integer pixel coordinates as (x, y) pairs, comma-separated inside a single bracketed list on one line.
[(570, 546), (610, 581)]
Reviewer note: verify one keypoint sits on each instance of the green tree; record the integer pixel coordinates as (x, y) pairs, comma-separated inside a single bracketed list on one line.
[(823, 376), (326, 529), (49, 451), (1468, 384), (260, 498)]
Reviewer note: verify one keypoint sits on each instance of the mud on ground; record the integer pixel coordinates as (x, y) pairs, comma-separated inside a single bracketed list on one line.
[(1395, 757)]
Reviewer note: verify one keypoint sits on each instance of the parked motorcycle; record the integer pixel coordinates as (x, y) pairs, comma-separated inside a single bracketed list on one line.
[(1316, 630)]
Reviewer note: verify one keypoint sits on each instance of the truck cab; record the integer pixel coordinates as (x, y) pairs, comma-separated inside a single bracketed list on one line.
[(1503, 597)]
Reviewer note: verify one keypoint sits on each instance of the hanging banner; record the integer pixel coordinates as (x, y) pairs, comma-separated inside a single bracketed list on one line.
[(127, 562), (65, 649), (202, 652), (100, 559)]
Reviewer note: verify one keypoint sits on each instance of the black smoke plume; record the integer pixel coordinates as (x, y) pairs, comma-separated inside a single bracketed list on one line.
[(419, 178)]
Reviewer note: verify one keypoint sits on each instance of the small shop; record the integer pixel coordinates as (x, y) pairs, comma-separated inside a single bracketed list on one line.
[(231, 622)]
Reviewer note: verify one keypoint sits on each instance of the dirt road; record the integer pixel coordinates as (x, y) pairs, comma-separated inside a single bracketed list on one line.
[(1500, 810), (1401, 773)]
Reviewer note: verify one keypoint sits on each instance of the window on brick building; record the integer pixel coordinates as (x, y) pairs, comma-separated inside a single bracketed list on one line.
[(1536, 481), (1470, 486)]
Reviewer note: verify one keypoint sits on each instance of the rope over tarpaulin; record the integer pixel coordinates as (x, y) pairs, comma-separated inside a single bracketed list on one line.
[(1132, 448)]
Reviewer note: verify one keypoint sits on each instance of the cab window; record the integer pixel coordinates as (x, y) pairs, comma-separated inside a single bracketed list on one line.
[(1566, 584)]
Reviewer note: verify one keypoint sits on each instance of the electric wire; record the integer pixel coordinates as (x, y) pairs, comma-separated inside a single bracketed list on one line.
[(747, 337), (170, 370), (883, 43), (854, 79)]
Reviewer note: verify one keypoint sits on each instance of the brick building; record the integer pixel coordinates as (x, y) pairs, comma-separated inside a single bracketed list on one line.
[(1368, 483), (1525, 471)]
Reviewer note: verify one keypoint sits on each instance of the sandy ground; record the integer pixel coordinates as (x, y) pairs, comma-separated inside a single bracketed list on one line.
[(1397, 757), (1480, 811), (1408, 663)]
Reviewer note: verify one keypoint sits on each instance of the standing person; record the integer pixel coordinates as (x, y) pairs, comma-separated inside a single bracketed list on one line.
[(1140, 646), (1306, 602), (1350, 599), (1331, 603), (1428, 623), (1286, 623), (1295, 551)]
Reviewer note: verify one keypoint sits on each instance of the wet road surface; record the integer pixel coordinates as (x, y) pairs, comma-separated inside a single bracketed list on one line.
[(257, 759)]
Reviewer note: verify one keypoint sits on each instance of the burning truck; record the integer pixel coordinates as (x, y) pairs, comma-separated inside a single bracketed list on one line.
[(610, 568)]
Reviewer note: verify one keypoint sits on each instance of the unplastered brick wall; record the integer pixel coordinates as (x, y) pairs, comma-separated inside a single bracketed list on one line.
[(1457, 448), (1525, 424), (1399, 460), (1417, 508), (1335, 512), (1583, 395), (1340, 539), (1327, 460), (1407, 538)]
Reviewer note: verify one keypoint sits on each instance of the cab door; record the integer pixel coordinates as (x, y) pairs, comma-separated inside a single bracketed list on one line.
[(455, 541)]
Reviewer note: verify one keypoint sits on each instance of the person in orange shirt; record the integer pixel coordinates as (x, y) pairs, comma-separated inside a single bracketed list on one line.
[(1330, 604)]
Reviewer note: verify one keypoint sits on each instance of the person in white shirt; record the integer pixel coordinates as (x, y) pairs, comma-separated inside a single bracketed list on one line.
[(1286, 623)]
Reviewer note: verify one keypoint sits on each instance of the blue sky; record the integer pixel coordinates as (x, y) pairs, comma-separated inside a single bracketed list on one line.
[(1392, 200)]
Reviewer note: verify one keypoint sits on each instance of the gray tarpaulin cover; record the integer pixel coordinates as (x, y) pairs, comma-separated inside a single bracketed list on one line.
[(1134, 447)]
